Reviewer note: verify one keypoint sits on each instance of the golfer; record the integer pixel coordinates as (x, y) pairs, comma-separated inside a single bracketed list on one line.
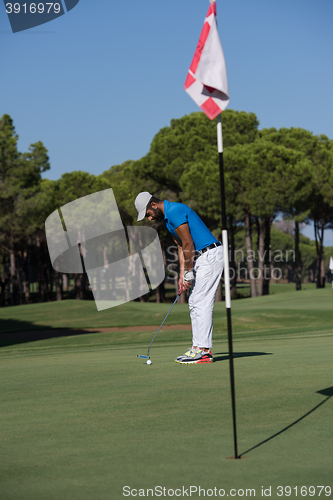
[(201, 264)]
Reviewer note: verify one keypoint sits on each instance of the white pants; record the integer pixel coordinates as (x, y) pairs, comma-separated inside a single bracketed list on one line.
[(208, 270)]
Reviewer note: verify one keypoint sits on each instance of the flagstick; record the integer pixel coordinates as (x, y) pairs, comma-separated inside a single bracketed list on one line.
[(227, 278)]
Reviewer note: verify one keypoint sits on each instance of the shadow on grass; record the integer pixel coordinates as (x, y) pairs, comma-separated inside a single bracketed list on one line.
[(325, 392), (29, 332), (225, 355)]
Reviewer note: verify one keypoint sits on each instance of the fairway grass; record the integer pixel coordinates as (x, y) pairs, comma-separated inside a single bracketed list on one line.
[(308, 309), (86, 421), (82, 417)]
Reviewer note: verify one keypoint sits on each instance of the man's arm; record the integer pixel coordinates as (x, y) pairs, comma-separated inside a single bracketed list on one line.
[(181, 262), (186, 252)]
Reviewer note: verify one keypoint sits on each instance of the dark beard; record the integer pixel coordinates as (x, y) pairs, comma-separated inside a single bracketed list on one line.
[(158, 214)]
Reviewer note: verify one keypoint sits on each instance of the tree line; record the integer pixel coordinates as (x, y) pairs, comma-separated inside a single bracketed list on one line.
[(269, 174)]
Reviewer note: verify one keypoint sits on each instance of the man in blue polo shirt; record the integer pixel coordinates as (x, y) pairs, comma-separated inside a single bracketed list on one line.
[(201, 265)]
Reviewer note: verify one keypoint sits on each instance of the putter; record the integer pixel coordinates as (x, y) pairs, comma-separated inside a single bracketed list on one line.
[(147, 357)]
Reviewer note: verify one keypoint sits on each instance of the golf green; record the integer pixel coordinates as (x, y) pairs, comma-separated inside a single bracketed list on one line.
[(83, 418)]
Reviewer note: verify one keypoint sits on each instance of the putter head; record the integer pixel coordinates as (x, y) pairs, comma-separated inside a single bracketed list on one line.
[(143, 357)]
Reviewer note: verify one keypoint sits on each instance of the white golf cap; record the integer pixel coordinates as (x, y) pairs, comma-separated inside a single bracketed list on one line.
[(141, 202)]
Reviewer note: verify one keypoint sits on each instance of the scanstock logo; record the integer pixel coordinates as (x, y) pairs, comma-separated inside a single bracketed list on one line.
[(87, 235), (26, 14)]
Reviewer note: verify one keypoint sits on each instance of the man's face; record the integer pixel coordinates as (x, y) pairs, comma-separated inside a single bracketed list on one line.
[(154, 213)]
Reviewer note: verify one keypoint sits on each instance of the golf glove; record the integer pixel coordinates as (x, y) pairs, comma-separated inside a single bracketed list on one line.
[(188, 276)]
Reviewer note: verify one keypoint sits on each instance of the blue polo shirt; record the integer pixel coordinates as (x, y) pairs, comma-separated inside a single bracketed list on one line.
[(176, 214)]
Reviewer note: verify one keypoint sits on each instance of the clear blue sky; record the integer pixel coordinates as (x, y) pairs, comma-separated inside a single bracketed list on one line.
[(98, 83)]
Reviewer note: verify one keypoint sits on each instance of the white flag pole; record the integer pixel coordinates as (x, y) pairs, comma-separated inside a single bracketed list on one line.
[(227, 279), (224, 224), (331, 268), (207, 84)]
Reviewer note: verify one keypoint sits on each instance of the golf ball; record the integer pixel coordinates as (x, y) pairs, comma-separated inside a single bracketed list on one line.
[(148, 361)]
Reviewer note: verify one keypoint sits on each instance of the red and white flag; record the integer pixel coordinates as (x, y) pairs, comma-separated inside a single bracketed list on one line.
[(207, 81)]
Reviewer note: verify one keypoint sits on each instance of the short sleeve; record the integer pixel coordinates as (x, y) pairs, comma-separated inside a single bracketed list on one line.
[(178, 216)]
